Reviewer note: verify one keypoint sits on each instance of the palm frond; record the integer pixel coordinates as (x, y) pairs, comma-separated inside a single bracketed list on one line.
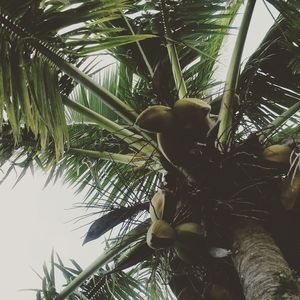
[(120, 244), (269, 83), (89, 163), (187, 19), (20, 34), (101, 285), (76, 27), (26, 96)]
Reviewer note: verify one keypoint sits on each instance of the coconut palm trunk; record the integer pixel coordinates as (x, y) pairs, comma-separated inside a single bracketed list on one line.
[(264, 274)]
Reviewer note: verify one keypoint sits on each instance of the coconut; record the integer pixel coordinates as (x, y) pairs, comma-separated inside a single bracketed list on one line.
[(190, 242), (290, 192), (277, 153), (157, 206), (193, 114), (190, 234), (175, 147), (190, 228), (160, 235), (157, 118)]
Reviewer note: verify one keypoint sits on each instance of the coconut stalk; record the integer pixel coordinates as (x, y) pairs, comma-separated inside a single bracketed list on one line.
[(176, 69), (264, 273), (229, 98)]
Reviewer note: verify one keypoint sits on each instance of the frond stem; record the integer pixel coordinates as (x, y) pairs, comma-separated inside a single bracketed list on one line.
[(177, 72), (280, 120), (229, 96), (127, 159), (128, 136), (139, 46)]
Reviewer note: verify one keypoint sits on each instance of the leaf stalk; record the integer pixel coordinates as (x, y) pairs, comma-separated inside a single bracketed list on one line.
[(229, 96)]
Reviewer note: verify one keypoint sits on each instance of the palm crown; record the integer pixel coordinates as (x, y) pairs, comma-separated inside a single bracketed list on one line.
[(133, 127)]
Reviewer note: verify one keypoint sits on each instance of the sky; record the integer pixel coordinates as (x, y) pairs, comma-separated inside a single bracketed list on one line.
[(34, 220)]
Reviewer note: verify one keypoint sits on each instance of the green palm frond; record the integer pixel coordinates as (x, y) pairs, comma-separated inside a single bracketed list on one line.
[(108, 80), (30, 95), (269, 84), (200, 46), (22, 42), (101, 285), (75, 27), (187, 19), (290, 11), (119, 244), (108, 179), (97, 162)]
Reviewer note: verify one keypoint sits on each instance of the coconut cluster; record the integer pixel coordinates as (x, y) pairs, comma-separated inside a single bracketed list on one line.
[(184, 238), (179, 128), (238, 183)]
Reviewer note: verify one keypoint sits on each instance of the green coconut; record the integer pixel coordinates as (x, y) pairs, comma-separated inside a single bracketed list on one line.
[(157, 206), (160, 235), (277, 153), (157, 118), (193, 114), (290, 192)]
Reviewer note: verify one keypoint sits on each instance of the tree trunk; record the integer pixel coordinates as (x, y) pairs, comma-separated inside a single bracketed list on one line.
[(263, 272)]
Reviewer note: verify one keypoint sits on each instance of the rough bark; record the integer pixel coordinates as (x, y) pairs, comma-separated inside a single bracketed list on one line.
[(263, 272)]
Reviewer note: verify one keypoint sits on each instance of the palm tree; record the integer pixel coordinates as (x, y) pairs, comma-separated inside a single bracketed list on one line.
[(218, 176)]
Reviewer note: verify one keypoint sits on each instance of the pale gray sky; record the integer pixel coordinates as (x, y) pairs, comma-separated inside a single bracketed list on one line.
[(260, 23), (33, 219)]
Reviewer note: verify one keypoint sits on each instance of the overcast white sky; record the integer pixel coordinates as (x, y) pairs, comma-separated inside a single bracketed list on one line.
[(33, 220)]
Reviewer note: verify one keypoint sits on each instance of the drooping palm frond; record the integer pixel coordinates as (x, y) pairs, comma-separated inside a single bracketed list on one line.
[(31, 35), (113, 218), (269, 83), (26, 96), (102, 165), (102, 285), (75, 28)]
